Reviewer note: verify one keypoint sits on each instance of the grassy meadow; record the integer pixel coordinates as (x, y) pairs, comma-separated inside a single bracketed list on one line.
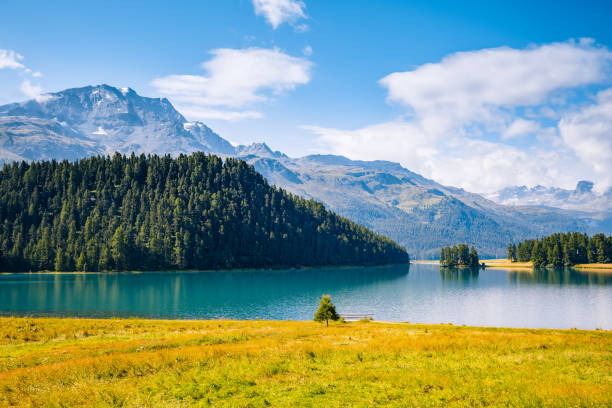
[(144, 363)]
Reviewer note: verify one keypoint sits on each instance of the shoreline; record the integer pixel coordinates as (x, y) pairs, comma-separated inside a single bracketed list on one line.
[(266, 269), (34, 316)]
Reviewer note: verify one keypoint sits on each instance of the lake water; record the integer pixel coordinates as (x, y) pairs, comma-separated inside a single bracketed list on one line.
[(417, 293)]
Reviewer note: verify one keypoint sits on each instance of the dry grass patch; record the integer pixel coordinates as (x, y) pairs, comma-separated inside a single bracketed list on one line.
[(136, 363)]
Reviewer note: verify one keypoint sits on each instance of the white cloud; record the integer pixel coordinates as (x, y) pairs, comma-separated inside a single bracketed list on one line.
[(473, 164), (462, 110), (476, 85), (589, 133), (200, 113), (33, 91), (277, 12), (10, 60), (236, 77), (520, 127), (307, 51)]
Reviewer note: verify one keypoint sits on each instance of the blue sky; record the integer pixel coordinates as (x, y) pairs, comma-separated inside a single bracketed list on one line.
[(420, 82)]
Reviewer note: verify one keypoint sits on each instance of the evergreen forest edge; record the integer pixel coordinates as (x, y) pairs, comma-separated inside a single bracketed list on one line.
[(154, 212)]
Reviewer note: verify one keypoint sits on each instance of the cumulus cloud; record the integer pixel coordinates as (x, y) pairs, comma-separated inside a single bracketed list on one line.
[(10, 60), (277, 12), (478, 85), (474, 164), (236, 77), (589, 133), (462, 111), (521, 127)]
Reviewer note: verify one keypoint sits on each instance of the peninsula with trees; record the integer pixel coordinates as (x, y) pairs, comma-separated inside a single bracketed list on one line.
[(156, 213), (558, 250)]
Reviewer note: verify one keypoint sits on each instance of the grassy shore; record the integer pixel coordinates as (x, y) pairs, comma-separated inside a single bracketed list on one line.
[(143, 363), (506, 264)]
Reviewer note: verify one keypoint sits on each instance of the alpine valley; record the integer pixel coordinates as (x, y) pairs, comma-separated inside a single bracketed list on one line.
[(416, 212)]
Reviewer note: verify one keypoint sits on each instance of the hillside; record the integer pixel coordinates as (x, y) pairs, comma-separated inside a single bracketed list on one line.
[(417, 212), (189, 212)]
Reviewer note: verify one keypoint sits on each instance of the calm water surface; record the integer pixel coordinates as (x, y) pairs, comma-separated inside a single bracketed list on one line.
[(417, 293)]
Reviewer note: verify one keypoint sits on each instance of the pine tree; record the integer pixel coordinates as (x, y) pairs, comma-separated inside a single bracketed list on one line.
[(151, 212), (474, 261), (60, 260), (511, 252), (326, 311)]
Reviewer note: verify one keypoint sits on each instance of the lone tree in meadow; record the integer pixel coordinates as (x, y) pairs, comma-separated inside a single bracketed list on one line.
[(326, 311)]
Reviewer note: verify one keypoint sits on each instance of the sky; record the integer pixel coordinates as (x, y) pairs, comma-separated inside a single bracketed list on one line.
[(475, 94)]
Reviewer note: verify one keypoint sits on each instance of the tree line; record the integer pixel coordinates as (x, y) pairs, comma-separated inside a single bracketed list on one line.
[(150, 213), (563, 250), (459, 255)]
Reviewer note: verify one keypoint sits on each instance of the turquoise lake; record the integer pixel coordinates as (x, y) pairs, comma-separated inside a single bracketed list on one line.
[(419, 293)]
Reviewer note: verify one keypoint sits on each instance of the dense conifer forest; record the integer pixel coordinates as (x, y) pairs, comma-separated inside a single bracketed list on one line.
[(460, 255), (151, 213), (563, 250)]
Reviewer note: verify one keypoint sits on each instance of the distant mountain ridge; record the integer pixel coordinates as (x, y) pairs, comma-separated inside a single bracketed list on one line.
[(582, 198), (415, 211)]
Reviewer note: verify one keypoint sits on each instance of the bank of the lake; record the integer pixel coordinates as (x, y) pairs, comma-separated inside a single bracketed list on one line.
[(507, 264), (133, 362)]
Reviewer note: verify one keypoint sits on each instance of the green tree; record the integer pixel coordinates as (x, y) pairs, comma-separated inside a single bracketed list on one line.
[(60, 263), (120, 248), (474, 261), (149, 212), (538, 256), (512, 255), (326, 311)]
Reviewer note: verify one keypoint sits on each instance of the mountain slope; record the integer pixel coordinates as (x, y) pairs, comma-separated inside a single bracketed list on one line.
[(191, 212), (100, 120), (417, 212)]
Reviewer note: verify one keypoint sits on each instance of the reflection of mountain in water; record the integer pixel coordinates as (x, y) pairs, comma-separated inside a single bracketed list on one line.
[(465, 275), (560, 276)]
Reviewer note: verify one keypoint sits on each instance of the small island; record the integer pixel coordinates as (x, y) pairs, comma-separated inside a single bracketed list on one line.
[(459, 256)]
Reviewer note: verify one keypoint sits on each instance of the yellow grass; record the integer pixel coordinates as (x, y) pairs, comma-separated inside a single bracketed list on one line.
[(595, 268), (146, 363)]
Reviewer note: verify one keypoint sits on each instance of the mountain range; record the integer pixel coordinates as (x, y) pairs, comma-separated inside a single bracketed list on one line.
[(417, 212)]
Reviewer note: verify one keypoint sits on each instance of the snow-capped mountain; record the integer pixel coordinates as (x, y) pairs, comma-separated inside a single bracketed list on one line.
[(582, 198), (415, 211), (99, 120)]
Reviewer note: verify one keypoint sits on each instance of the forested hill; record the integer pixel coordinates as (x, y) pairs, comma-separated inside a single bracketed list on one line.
[(151, 212)]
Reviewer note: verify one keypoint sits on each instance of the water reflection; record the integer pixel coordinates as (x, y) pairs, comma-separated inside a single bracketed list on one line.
[(559, 276), (464, 275), (562, 298)]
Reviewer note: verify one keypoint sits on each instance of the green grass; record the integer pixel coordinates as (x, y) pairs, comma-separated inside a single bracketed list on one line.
[(146, 363)]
